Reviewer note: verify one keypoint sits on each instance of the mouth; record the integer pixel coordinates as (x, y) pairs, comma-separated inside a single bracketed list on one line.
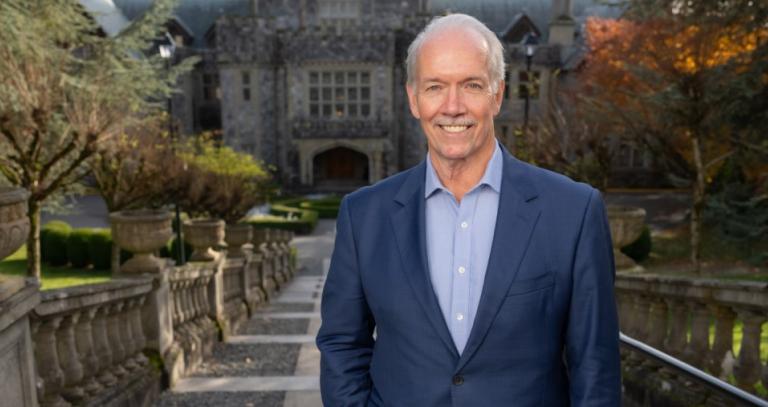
[(455, 128)]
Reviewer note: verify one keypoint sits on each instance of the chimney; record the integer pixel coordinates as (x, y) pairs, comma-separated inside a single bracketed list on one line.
[(562, 27)]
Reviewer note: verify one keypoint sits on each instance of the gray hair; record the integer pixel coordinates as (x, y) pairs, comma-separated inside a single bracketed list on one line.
[(494, 61)]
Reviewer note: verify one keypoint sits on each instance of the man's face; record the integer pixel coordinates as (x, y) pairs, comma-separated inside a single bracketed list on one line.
[(452, 96)]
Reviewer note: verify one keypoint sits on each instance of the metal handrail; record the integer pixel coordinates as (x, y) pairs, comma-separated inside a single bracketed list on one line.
[(711, 381)]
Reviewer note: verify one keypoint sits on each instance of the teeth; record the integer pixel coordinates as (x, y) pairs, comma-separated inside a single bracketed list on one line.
[(455, 129)]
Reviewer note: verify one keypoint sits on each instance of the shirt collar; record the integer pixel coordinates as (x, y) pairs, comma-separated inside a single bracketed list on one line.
[(491, 177)]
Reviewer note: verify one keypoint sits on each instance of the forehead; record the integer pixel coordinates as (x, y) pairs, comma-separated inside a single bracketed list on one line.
[(451, 52)]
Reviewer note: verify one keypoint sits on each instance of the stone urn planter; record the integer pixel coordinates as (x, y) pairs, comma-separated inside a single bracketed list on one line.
[(141, 232), (626, 226), (14, 223), (236, 237), (203, 235)]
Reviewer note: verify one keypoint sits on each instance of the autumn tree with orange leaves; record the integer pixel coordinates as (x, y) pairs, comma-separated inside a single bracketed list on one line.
[(689, 81)]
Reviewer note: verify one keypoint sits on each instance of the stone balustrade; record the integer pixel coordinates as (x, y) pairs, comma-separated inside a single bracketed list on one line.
[(88, 343), (679, 316), (93, 344)]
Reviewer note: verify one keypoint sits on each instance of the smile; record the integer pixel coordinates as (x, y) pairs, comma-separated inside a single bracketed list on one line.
[(455, 128)]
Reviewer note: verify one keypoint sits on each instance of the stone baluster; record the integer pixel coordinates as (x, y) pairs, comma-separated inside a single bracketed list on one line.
[(126, 330), (86, 347), (69, 359), (115, 339), (103, 348), (657, 322), (724, 321), (748, 370), (140, 338), (277, 258), (640, 317), (184, 301), (175, 292), (698, 347), (48, 366), (287, 237), (677, 340)]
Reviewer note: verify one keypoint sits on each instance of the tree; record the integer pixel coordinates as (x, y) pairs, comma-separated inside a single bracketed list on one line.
[(65, 88), (679, 77), (221, 182)]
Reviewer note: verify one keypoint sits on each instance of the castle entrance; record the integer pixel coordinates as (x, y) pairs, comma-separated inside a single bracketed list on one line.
[(340, 168)]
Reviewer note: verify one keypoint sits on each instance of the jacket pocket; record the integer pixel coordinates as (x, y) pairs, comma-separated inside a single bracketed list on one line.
[(529, 285)]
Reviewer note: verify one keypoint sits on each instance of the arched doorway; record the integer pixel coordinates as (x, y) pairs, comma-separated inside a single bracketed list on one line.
[(340, 168)]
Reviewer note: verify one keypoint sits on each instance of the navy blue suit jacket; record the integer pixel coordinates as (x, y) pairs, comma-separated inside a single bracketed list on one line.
[(546, 330)]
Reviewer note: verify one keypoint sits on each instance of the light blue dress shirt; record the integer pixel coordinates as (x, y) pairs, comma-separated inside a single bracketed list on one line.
[(459, 238)]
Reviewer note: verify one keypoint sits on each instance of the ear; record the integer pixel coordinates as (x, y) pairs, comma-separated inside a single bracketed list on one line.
[(499, 96), (413, 101)]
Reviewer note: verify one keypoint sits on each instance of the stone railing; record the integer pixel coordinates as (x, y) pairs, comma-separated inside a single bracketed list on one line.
[(89, 342), (235, 293), (679, 315)]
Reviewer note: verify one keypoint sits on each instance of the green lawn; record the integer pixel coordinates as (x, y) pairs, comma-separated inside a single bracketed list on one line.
[(52, 277)]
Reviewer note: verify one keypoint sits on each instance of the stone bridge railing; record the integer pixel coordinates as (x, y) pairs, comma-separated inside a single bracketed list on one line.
[(695, 320), (115, 343)]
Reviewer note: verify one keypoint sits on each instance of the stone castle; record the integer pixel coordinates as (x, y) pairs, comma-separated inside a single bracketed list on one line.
[(316, 87)]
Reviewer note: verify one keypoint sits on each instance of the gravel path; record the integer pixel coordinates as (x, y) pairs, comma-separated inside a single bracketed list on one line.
[(226, 399), (268, 359), (275, 326)]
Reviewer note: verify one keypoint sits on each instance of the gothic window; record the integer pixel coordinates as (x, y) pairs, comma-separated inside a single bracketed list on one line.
[(339, 9), (506, 84), (339, 94), (524, 84), (245, 79)]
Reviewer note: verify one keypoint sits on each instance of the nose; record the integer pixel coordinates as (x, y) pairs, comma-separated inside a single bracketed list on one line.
[(454, 104)]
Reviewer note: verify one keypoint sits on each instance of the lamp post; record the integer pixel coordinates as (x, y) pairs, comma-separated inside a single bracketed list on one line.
[(166, 52), (529, 43)]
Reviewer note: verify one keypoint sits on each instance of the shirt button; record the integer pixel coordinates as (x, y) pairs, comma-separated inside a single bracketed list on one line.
[(462, 270), (464, 225), (458, 380), (459, 316)]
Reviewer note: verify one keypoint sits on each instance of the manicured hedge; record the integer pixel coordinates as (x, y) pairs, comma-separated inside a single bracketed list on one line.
[(77, 248), (100, 249), (327, 208), (640, 249), (295, 219), (53, 242)]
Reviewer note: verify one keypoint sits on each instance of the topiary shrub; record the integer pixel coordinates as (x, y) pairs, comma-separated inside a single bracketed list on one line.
[(53, 242), (100, 249), (640, 249), (77, 248), (170, 250)]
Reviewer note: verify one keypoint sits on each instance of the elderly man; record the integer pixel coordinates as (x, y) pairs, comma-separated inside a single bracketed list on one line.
[(488, 282)]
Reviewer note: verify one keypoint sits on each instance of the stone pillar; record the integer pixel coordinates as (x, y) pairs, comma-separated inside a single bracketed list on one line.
[(698, 347), (677, 339), (724, 321), (657, 323), (216, 298), (48, 367), (69, 360), (17, 378), (749, 368), (156, 315)]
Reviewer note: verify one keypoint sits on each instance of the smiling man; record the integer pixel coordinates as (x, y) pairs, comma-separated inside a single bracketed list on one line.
[(488, 282)]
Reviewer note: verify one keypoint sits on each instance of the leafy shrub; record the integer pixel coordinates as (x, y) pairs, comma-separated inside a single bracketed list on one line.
[(326, 208), (640, 249), (77, 247), (296, 219), (170, 250), (100, 249), (53, 242)]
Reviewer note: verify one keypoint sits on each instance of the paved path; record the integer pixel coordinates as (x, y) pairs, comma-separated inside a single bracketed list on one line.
[(272, 361)]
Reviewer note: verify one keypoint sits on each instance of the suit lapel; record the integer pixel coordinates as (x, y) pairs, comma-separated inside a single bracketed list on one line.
[(517, 215), (409, 225)]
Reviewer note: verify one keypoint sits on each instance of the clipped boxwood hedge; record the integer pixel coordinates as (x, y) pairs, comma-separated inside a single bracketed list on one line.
[(53, 242), (295, 219), (327, 208), (77, 248), (100, 249)]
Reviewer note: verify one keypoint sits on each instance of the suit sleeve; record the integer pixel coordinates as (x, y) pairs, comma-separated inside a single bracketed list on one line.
[(592, 339), (345, 338)]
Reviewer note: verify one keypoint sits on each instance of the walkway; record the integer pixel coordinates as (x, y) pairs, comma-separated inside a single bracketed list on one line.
[(273, 361)]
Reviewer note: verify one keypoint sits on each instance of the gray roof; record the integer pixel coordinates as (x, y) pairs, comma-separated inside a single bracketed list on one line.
[(199, 15), (110, 18)]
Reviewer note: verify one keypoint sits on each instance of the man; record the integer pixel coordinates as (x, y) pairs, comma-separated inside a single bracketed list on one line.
[(488, 282)]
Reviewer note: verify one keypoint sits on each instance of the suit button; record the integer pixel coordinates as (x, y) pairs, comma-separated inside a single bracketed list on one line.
[(458, 380)]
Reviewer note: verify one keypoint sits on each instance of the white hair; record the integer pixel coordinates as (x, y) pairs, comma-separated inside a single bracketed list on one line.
[(495, 57)]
